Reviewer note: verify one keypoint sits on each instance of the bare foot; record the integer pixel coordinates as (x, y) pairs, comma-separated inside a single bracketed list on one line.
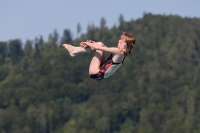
[(69, 49)]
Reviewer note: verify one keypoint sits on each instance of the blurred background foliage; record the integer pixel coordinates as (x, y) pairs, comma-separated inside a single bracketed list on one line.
[(44, 90)]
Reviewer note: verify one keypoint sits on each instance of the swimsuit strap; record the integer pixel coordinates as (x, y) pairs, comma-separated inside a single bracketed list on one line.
[(124, 59)]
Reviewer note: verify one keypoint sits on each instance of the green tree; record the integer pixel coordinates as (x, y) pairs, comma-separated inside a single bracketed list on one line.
[(16, 51), (3, 52), (67, 36), (28, 47), (78, 29), (102, 22)]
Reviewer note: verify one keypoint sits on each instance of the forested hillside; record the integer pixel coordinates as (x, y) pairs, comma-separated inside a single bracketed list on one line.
[(44, 90)]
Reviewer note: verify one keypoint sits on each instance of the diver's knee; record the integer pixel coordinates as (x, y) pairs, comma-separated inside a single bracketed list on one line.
[(100, 44)]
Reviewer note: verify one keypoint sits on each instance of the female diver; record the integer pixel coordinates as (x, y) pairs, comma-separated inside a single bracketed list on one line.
[(99, 67)]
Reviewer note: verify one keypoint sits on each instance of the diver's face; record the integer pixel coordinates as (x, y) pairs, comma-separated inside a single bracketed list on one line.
[(122, 44)]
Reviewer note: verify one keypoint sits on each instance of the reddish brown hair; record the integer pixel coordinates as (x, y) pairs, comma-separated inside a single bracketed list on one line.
[(130, 41)]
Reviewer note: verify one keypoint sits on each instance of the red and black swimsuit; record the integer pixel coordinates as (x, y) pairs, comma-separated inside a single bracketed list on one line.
[(104, 67)]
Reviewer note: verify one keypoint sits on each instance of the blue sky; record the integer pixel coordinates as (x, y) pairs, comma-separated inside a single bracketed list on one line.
[(28, 19)]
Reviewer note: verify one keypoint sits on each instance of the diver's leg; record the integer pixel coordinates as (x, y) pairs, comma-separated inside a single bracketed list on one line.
[(96, 62)]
